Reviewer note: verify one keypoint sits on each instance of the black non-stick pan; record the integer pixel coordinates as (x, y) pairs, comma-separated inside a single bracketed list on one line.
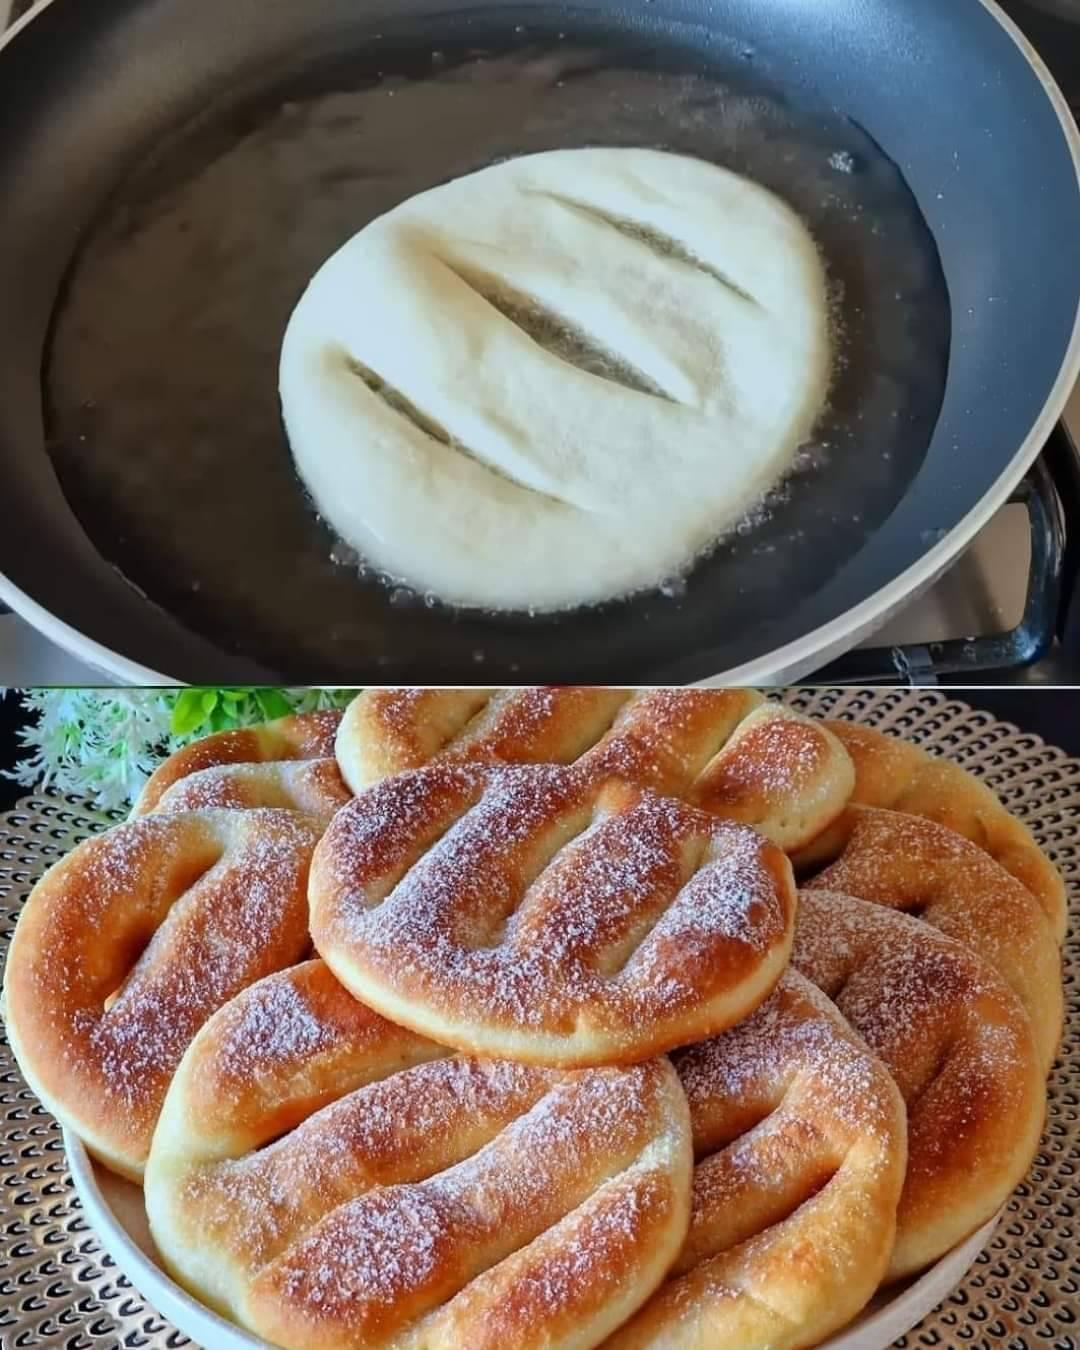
[(173, 171)]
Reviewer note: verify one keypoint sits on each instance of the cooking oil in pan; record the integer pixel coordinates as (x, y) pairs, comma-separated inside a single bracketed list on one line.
[(161, 381)]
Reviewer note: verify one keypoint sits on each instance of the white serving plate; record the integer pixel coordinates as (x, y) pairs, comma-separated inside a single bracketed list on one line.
[(114, 1209)]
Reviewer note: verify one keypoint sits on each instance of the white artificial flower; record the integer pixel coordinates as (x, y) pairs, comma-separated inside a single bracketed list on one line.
[(101, 745)]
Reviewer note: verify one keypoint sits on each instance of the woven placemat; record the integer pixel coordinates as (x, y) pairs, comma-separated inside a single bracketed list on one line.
[(59, 1289)]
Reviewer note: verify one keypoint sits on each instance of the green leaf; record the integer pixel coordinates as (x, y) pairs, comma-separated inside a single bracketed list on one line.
[(272, 703), (222, 718), (188, 713)]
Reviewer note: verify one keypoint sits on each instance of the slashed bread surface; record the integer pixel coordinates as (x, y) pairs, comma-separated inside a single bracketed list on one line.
[(558, 379)]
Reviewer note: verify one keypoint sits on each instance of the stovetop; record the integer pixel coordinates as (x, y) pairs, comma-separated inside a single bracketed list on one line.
[(948, 634), (1053, 27), (987, 591)]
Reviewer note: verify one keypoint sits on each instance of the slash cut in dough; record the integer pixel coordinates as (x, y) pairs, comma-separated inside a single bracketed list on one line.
[(559, 379)]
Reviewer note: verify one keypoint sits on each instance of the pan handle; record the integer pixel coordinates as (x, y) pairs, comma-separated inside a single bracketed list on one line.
[(1048, 585)]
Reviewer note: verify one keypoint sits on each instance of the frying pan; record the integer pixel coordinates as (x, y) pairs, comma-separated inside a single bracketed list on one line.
[(148, 517)]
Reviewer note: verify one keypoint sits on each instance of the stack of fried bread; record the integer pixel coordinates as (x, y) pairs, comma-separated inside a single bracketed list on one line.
[(481, 1018)]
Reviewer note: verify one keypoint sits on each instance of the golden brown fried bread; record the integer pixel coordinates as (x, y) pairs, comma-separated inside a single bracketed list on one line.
[(726, 750), (126, 946), (330, 1182), (899, 776), (800, 1139), (385, 731), (313, 786), (299, 736), (734, 755), (533, 913), (960, 1046), (913, 864)]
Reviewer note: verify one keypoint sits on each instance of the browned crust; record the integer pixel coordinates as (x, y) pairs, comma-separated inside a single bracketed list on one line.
[(494, 1204), (538, 914), (725, 750), (960, 1047), (312, 786), (126, 947), (916, 865), (800, 1137), (387, 731), (899, 776), (299, 736)]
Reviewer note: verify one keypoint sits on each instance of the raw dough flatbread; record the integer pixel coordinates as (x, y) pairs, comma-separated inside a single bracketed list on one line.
[(559, 379)]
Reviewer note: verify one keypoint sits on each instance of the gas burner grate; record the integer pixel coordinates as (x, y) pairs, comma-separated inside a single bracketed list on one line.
[(1051, 619)]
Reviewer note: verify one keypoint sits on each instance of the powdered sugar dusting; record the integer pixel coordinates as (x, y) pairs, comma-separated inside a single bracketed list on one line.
[(893, 977), (732, 903), (524, 913), (676, 709), (487, 844), (116, 863), (952, 1034), (277, 1025), (240, 919), (779, 753), (312, 785), (602, 1243), (787, 1106), (372, 839), (390, 1201), (797, 1035), (909, 863), (215, 787), (543, 724), (719, 747), (367, 1253), (400, 710), (671, 734), (392, 1132), (601, 895), (311, 735), (636, 760), (511, 718)]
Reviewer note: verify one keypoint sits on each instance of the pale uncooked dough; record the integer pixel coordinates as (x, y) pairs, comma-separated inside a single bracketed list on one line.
[(559, 379)]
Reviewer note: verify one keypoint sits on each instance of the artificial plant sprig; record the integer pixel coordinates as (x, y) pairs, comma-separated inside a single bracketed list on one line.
[(103, 744)]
